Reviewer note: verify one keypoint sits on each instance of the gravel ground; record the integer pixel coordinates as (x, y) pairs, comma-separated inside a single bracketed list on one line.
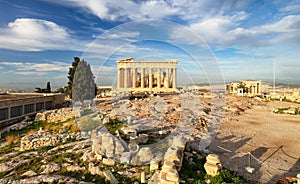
[(274, 139)]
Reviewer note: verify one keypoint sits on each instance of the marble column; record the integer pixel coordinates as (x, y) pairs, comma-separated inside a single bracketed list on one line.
[(134, 77), (174, 78), (125, 78), (159, 78), (129, 78), (142, 78), (150, 78), (167, 78), (119, 77)]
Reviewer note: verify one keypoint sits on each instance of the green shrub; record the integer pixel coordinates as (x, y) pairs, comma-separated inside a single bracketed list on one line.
[(199, 175)]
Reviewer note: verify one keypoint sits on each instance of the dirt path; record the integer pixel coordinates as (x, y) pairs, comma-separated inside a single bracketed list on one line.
[(274, 139)]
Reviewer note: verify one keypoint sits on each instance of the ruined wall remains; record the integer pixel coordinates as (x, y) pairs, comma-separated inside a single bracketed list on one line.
[(43, 139), (55, 115)]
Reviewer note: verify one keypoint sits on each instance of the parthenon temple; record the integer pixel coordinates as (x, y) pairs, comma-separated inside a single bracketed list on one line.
[(150, 76)]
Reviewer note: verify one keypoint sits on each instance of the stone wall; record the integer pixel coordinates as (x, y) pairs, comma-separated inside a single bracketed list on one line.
[(55, 115), (42, 139)]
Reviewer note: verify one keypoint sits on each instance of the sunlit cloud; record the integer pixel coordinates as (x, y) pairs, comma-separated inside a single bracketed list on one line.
[(30, 68), (25, 34)]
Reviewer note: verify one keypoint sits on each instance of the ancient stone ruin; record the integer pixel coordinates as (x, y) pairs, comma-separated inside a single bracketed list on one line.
[(213, 165), (56, 115), (43, 139)]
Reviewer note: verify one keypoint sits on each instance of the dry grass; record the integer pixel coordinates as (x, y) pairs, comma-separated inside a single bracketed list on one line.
[(55, 129), (12, 139), (47, 127), (30, 132), (75, 128)]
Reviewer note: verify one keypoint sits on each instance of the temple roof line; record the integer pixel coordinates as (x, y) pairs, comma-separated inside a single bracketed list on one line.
[(129, 60)]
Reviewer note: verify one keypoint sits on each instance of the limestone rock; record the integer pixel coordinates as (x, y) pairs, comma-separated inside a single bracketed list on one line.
[(119, 148), (179, 142), (40, 117), (50, 168), (125, 158), (128, 131), (143, 138), (108, 161), (74, 168), (143, 177), (110, 177), (104, 144), (213, 159), (154, 164), (29, 173), (105, 120), (10, 165), (168, 166), (135, 160), (172, 154), (212, 170), (172, 175), (212, 165), (96, 146), (41, 139), (94, 169), (145, 154)]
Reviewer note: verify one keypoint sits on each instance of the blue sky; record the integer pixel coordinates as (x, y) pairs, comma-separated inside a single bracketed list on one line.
[(214, 40)]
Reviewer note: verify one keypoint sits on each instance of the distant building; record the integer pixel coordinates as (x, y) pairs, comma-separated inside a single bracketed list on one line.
[(286, 94), (15, 106), (244, 88), (104, 91)]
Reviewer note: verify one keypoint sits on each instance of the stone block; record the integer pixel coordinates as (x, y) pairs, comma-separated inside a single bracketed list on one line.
[(125, 158), (108, 161), (172, 175), (213, 159), (110, 177), (172, 154), (94, 169), (212, 170), (143, 138), (179, 142), (167, 166), (135, 160), (154, 165), (163, 181), (145, 154)]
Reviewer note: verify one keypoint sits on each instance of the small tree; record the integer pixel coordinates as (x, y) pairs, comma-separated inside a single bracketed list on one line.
[(48, 88), (38, 90), (44, 90), (71, 73), (83, 86)]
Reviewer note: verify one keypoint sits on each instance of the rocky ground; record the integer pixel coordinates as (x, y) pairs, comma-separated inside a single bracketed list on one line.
[(148, 139), (272, 139)]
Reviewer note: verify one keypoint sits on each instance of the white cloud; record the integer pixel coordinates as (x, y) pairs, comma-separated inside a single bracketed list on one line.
[(292, 6), (119, 35), (27, 34), (114, 10), (31, 73), (223, 32), (32, 68), (188, 10)]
